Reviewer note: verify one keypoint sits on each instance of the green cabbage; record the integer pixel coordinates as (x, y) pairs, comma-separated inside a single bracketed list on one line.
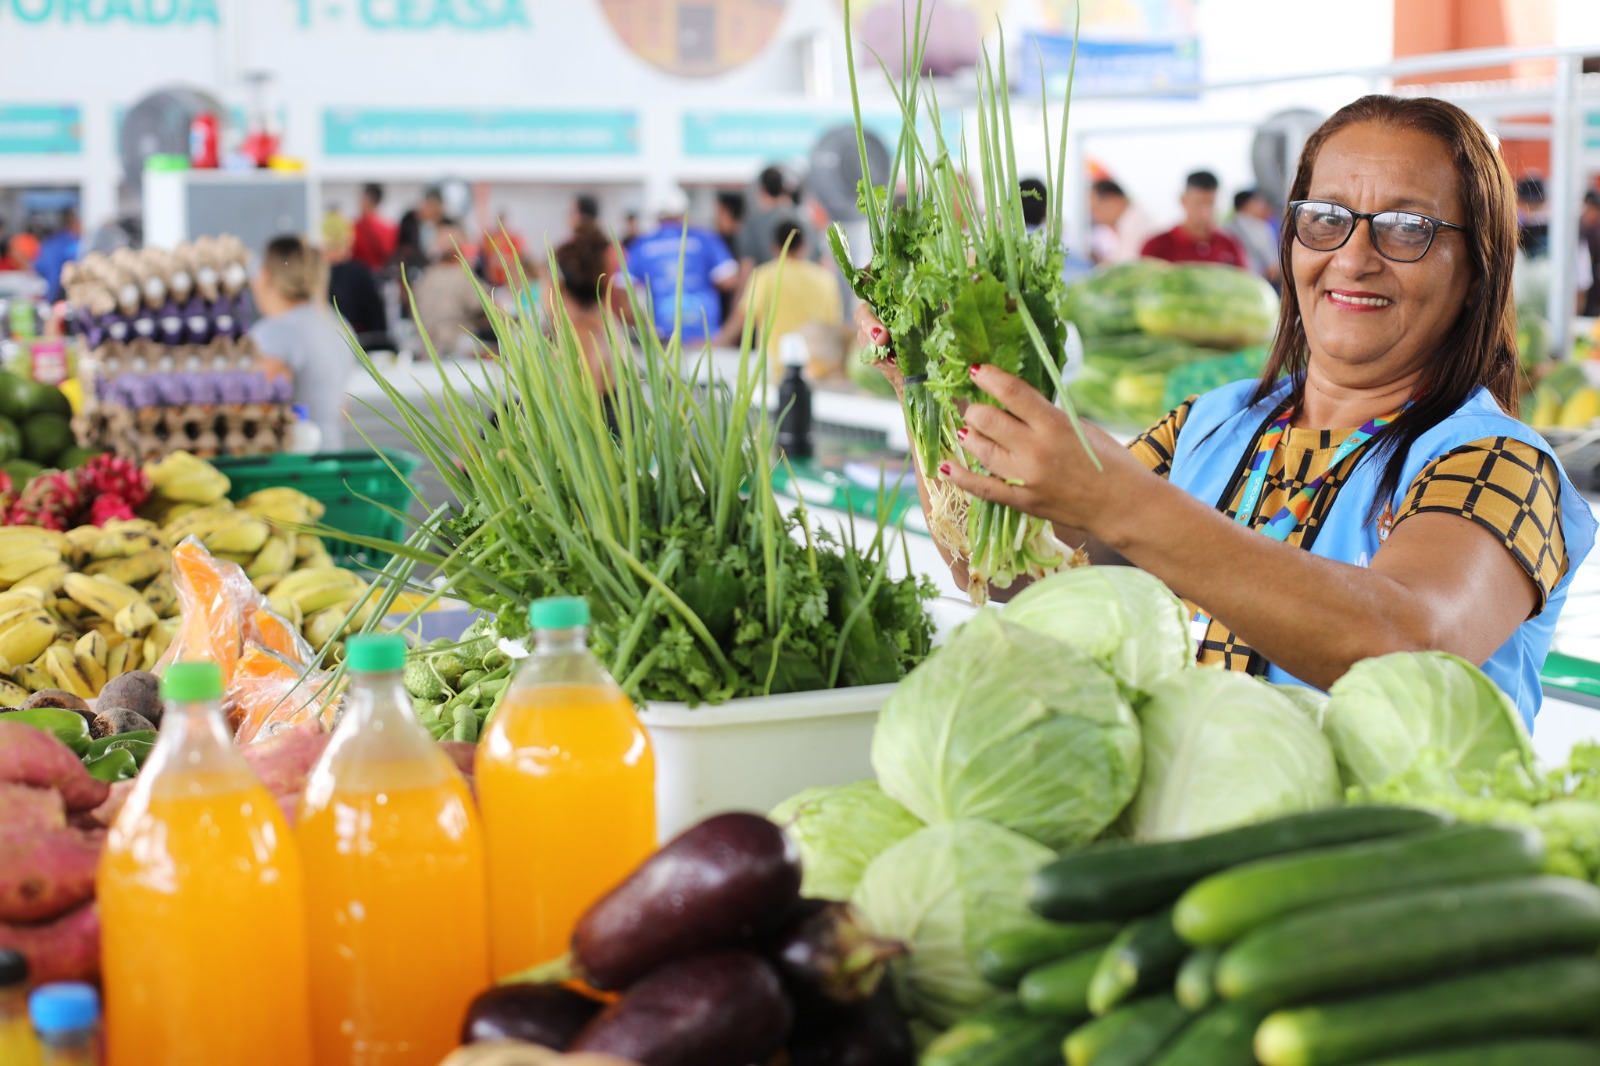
[(946, 891), (1212, 304), (839, 830), (1009, 725), (1313, 702), (1223, 750), (1119, 616), (1386, 712)]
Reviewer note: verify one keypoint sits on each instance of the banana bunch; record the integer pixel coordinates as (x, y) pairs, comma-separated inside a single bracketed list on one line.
[(283, 507), (26, 550), (183, 478), (326, 601)]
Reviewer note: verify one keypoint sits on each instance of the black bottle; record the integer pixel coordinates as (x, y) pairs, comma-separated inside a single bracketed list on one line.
[(794, 414)]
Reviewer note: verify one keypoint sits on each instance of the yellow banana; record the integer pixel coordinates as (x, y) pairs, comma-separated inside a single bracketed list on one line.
[(21, 538), (12, 694), (306, 545), (197, 522), (324, 626), (67, 609), (18, 564), (32, 677), (82, 539), (283, 505), (181, 476), (161, 512), (135, 620), (275, 558), (314, 589), (21, 597), (65, 672), (91, 654), (156, 643), (102, 595), (124, 657), (133, 569), (24, 637), (44, 580), (124, 541), (162, 595), (239, 559)]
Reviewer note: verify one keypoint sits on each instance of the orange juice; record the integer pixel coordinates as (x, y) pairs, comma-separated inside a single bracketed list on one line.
[(566, 781), (395, 888), (203, 927)]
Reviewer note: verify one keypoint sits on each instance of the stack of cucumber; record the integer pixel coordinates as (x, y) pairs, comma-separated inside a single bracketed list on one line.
[(1367, 936)]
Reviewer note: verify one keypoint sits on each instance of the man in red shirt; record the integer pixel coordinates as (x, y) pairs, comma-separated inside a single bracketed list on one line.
[(374, 236), (1197, 239)]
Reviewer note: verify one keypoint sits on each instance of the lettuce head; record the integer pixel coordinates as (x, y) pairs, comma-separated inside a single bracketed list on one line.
[(1009, 725), (1221, 750), (946, 891), (1119, 616), (839, 830), (1385, 713)]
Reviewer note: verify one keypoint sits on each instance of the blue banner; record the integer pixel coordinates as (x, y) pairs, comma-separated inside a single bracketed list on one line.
[(1106, 66), (39, 129), (780, 135), (478, 132)]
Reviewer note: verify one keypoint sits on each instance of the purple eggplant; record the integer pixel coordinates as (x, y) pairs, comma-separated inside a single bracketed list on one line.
[(870, 1033), (730, 880), (723, 1008), (549, 1015), (825, 949)]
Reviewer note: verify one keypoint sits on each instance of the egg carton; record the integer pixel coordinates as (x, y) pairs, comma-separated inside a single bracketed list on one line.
[(205, 430)]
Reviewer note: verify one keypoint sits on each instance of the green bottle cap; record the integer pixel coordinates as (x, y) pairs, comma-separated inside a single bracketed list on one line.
[(375, 653), (192, 682), (559, 612)]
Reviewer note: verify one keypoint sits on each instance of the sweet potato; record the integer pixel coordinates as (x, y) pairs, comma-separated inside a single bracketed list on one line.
[(31, 756), (464, 755), (45, 873), (103, 815), (67, 949), (283, 762), (26, 807)]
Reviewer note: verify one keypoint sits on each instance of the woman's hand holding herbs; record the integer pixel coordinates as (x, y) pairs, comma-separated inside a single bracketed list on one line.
[(871, 333)]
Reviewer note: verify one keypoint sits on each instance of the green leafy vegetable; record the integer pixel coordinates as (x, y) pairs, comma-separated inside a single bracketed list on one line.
[(1101, 303), (839, 830), (1386, 712), (946, 891), (1121, 617), (1212, 304), (1006, 724), (1223, 750)]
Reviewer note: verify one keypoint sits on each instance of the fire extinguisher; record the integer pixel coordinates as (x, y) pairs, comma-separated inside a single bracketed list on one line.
[(203, 150)]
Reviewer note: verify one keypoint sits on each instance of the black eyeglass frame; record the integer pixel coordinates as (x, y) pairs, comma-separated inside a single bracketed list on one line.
[(1370, 216)]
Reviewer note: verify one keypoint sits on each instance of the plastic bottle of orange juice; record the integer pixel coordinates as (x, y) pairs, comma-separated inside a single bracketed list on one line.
[(395, 905), (566, 782), (203, 951)]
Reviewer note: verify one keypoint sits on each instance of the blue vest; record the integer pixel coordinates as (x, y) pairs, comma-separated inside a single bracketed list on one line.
[(1221, 430)]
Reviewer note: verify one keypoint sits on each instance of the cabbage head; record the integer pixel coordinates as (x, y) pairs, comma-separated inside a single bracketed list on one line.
[(1314, 702), (1006, 724), (1121, 617), (1386, 712), (839, 830), (946, 891), (1223, 750)]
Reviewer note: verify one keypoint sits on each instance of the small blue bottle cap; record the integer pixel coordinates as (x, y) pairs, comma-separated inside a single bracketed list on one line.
[(375, 653), (559, 612), (63, 1007)]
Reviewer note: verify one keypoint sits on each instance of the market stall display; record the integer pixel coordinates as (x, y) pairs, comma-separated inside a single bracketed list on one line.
[(35, 432)]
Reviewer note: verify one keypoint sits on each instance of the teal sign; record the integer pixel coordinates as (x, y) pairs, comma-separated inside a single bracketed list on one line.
[(109, 13), (35, 129), (1592, 129), (486, 132), (779, 135), (470, 15)]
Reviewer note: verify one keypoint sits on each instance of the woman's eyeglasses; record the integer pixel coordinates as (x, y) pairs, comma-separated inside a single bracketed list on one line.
[(1403, 236)]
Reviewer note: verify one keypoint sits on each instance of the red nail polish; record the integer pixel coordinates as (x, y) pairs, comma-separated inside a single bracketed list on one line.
[(879, 336), (892, 358), (944, 468), (973, 370), (961, 434)]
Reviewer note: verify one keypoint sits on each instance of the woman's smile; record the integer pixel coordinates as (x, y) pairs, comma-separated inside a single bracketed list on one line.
[(1358, 301)]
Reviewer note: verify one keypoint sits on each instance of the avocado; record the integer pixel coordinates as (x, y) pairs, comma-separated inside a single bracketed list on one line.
[(14, 395), (21, 471), (47, 400), (10, 440), (46, 436), (75, 457)]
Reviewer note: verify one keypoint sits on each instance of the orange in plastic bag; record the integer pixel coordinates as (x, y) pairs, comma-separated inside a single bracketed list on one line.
[(212, 616), (270, 693)]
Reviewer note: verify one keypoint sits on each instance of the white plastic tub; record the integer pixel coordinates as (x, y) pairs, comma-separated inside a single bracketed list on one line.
[(751, 754)]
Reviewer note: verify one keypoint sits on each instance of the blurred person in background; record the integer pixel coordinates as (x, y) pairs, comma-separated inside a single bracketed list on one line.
[(57, 250), (1036, 214), (775, 202), (789, 288), (1197, 239), (582, 276), (631, 229), (1589, 235), (1120, 226), (352, 287), (1252, 225), (373, 237), (18, 252), (449, 309), (503, 252), (729, 225), (708, 269), (297, 334), (584, 214), (416, 237), (1533, 220)]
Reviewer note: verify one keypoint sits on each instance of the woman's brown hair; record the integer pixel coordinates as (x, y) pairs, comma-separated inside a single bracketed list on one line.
[(294, 269), (1480, 347)]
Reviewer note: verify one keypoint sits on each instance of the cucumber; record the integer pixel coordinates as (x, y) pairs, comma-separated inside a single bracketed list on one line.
[(1129, 1036), (1142, 960), (1004, 960), (1348, 947), (1536, 998), (1225, 906), (1197, 979), (1122, 881), (1540, 1051), (1060, 989), (1220, 1037), (1001, 1034)]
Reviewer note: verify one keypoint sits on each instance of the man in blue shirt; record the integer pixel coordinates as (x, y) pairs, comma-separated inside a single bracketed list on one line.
[(56, 251), (708, 267)]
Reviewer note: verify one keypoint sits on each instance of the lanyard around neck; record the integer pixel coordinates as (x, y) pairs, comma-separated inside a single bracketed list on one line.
[(1295, 509)]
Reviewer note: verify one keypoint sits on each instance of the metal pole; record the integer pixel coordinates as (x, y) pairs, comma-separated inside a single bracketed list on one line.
[(1565, 135)]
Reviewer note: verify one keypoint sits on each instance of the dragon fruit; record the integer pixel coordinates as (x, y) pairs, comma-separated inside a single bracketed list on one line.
[(108, 508), (50, 501), (108, 475)]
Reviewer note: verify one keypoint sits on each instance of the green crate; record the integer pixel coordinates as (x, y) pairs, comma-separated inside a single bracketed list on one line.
[(343, 482)]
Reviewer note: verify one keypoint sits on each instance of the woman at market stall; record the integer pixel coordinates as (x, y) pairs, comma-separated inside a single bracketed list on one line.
[(297, 335), (1403, 508)]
